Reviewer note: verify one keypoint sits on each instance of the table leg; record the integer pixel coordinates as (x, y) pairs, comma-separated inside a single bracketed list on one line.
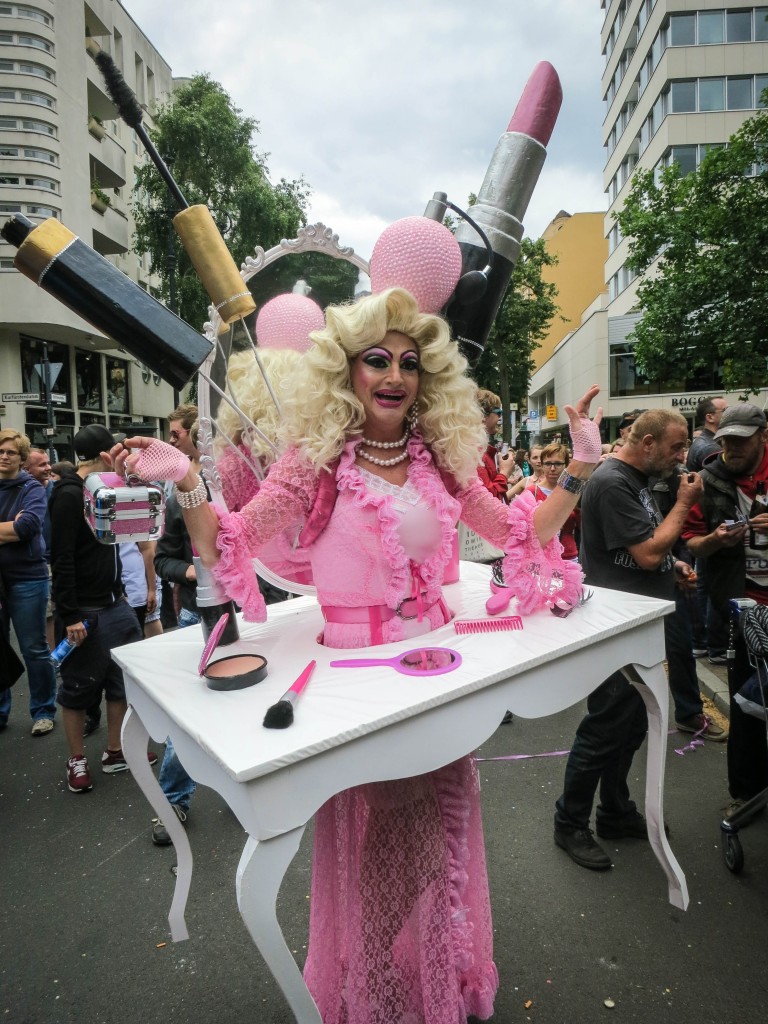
[(135, 739), (259, 874), (652, 686)]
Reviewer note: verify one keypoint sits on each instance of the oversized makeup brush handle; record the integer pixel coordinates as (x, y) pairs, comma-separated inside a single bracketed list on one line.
[(194, 225)]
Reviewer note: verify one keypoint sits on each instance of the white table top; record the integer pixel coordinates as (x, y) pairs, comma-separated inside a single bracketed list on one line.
[(340, 705)]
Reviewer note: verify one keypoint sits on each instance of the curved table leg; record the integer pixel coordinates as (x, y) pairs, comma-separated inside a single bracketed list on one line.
[(259, 874), (135, 738), (651, 683)]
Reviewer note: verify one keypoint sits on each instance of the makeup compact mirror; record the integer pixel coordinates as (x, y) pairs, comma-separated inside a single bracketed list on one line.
[(421, 661), (239, 409), (235, 672)]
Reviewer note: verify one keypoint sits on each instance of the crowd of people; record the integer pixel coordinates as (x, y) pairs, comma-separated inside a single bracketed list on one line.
[(383, 405)]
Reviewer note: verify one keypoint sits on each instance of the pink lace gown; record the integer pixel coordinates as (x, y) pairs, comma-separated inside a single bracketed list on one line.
[(400, 919)]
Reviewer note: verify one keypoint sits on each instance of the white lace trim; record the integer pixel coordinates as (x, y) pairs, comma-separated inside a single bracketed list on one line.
[(405, 495)]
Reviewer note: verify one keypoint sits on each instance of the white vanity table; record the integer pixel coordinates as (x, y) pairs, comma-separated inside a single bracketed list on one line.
[(358, 726)]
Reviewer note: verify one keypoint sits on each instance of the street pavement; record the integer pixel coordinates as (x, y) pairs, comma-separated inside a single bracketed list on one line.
[(84, 937)]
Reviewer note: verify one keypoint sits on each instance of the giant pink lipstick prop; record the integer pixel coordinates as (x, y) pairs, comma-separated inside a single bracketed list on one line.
[(501, 204)]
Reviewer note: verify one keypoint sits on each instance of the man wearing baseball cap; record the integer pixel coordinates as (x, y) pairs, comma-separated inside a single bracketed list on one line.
[(724, 529), (88, 589)]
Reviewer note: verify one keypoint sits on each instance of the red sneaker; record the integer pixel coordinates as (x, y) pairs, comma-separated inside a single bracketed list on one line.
[(114, 761), (78, 779)]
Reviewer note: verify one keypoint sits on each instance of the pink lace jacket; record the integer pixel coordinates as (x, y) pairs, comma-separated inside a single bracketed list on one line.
[(359, 560)]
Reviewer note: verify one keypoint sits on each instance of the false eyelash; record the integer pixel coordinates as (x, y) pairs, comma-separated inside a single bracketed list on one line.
[(505, 622)]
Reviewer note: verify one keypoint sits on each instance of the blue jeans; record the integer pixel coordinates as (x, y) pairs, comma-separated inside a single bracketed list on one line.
[(26, 602), (174, 781)]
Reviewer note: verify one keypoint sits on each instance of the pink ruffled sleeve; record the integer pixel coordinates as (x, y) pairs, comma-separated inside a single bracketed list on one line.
[(537, 576), (284, 500)]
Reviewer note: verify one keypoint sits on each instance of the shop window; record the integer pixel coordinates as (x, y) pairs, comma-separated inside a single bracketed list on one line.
[(90, 393)]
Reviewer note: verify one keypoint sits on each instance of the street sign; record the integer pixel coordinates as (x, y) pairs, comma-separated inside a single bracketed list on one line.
[(56, 397), (533, 414), (551, 412), (21, 396)]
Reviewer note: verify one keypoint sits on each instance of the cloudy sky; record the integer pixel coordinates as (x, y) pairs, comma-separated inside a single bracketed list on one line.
[(380, 105)]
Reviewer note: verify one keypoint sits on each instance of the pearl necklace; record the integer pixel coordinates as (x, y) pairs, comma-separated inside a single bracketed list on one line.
[(388, 444), (383, 462)]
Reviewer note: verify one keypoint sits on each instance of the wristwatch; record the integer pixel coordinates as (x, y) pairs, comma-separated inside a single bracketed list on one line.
[(572, 484)]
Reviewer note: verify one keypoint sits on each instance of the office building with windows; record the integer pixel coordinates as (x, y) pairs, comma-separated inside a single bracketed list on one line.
[(63, 154), (679, 77)]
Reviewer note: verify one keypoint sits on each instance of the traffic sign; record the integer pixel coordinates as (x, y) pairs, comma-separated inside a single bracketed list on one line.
[(21, 396)]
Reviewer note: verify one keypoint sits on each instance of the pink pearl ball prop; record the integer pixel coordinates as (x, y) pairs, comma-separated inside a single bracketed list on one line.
[(420, 255), (286, 322)]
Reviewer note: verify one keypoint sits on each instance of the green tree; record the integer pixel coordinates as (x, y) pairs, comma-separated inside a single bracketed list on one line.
[(526, 312), (703, 239), (214, 162)]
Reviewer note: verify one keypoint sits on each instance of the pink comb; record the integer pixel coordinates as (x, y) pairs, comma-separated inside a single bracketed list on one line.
[(488, 625)]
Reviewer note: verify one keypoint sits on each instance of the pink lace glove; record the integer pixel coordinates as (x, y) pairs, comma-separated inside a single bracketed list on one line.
[(585, 433), (158, 461)]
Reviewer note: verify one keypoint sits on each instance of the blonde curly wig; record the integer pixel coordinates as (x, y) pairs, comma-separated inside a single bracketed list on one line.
[(323, 413), (248, 388)]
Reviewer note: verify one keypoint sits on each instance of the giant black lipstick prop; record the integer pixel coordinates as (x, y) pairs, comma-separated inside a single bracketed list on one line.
[(79, 277)]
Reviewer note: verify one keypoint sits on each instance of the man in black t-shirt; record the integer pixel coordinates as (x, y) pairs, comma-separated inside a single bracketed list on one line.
[(625, 545)]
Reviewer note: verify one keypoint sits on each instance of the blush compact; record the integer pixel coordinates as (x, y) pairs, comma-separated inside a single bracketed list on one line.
[(236, 671)]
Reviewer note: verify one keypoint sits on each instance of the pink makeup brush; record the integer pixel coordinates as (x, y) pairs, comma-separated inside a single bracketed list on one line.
[(280, 715)]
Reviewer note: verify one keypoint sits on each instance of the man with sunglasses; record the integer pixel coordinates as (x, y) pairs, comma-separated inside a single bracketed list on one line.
[(494, 478)]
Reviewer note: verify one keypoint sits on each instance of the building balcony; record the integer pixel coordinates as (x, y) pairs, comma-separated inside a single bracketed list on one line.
[(107, 160), (111, 232)]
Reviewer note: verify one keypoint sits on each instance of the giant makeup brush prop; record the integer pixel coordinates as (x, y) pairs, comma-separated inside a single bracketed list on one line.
[(194, 225)]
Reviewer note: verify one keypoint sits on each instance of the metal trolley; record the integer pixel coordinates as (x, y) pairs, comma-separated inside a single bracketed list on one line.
[(749, 625)]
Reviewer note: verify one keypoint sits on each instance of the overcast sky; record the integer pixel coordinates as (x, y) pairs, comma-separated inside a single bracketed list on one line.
[(380, 105)]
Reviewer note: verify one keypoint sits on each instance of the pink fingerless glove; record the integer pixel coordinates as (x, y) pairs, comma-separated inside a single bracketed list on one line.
[(587, 444), (161, 461)]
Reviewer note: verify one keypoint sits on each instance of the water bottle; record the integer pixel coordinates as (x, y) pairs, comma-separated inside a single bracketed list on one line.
[(63, 650)]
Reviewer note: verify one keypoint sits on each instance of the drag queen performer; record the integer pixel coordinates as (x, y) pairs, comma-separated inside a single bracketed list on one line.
[(384, 437)]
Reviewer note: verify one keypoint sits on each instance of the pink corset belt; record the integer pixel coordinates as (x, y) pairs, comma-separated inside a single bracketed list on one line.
[(376, 614)]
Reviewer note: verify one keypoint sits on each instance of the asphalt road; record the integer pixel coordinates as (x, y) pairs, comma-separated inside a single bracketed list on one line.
[(84, 937)]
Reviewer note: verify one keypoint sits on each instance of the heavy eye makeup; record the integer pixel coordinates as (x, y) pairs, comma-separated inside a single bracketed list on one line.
[(381, 359)]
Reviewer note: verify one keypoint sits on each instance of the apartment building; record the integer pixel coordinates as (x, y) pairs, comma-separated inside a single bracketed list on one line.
[(679, 77), (63, 154)]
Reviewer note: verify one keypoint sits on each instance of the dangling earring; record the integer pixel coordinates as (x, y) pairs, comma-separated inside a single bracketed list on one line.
[(413, 415)]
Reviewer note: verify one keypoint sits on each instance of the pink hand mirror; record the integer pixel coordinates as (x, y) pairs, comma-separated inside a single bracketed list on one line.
[(422, 661)]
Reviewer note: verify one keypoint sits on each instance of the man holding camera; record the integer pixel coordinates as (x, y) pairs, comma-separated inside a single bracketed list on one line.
[(724, 529)]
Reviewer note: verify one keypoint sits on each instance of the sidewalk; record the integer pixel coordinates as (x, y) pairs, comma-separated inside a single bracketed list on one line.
[(714, 683)]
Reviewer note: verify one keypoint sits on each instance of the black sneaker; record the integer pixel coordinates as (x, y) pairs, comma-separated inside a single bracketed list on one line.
[(633, 826), (582, 849), (160, 835)]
